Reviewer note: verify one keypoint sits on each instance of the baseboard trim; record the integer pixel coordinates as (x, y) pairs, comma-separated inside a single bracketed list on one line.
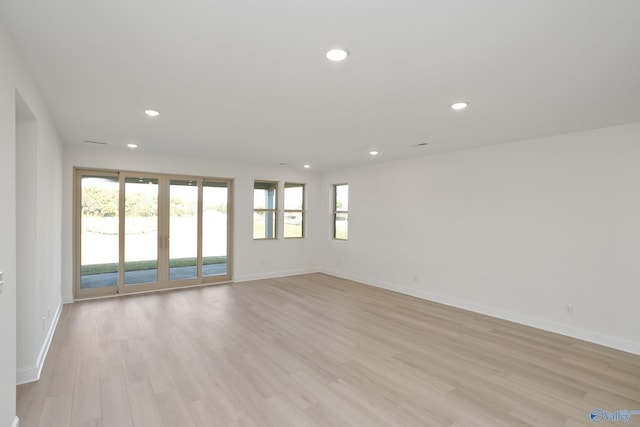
[(567, 330), (16, 422), (32, 373)]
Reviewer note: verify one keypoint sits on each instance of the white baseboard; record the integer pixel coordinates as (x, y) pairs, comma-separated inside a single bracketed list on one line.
[(272, 275), (32, 373), (570, 331), (16, 422), (67, 299)]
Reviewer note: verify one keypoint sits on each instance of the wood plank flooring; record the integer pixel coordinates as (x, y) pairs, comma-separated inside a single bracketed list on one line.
[(315, 350)]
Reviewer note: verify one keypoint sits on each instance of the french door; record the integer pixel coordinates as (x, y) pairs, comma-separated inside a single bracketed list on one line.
[(138, 231)]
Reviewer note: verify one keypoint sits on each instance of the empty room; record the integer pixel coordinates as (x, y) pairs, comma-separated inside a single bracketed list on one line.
[(247, 214)]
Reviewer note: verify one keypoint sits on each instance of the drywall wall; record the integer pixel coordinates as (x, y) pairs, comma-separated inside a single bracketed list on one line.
[(39, 203), (519, 231), (33, 279), (28, 320), (7, 233), (253, 259)]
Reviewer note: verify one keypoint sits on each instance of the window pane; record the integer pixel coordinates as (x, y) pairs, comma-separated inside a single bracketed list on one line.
[(183, 229), (342, 226), (264, 195), (264, 224), (264, 214), (99, 231), (214, 228), (293, 196), (292, 224), (141, 231), (342, 197)]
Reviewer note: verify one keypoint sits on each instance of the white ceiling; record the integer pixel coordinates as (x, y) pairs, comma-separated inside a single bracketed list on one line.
[(247, 80)]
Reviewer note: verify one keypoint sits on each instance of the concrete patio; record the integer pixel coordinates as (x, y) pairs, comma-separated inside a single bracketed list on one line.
[(150, 276)]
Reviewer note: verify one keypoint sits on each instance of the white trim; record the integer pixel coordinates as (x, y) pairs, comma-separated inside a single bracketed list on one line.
[(32, 373), (570, 331), (273, 275), (67, 299), (16, 422)]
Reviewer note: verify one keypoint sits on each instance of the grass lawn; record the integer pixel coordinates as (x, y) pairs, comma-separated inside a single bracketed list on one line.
[(148, 265)]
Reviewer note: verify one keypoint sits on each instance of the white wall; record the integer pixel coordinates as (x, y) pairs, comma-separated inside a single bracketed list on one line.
[(7, 234), (28, 321), (27, 296), (518, 231), (253, 259), (39, 209)]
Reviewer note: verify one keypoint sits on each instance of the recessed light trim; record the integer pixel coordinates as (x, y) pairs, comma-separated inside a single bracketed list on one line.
[(459, 105), (152, 113), (132, 145), (307, 166), (374, 152), (337, 55)]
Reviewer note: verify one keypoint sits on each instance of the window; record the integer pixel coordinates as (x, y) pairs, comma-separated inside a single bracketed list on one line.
[(341, 211), (293, 210), (264, 209)]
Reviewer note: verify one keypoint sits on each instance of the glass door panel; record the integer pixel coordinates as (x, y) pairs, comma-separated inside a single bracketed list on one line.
[(214, 228), (99, 231), (183, 229), (140, 230)]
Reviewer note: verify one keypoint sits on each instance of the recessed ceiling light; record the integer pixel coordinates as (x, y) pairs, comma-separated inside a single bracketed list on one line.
[(337, 55), (152, 113), (373, 152), (307, 166), (132, 145), (459, 105)]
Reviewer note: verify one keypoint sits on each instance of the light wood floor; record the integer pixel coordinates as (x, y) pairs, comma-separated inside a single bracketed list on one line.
[(315, 350)]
